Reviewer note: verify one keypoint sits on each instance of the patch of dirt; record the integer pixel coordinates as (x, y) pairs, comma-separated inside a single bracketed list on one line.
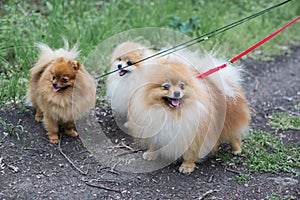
[(32, 168)]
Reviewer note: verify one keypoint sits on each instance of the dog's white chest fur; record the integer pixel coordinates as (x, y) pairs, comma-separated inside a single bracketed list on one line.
[(169, 132)]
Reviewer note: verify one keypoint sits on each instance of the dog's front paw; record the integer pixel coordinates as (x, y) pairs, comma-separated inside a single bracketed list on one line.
[(236, 147), (38, 117), (187, 167), (150, 155), (71, 133), (53, 138), (237, 152)]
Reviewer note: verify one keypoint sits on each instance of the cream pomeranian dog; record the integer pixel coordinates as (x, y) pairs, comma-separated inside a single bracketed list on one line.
[(176, 115), (60, 89), (120, 85)]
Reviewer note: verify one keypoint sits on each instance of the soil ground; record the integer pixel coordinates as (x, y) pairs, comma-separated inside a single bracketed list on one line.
[(32, 168)]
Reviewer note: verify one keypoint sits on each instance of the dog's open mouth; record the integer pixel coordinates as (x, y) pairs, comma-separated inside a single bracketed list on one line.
[(59, 89), (173, 103), (123, 72)]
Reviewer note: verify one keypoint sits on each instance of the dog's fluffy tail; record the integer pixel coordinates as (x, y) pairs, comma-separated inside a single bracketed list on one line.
[(224, 79)]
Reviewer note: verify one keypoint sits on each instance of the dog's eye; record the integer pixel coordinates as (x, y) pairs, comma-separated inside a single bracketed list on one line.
[(53, 77), (64, 80), (181, 85), (129, 63), (166, 86), (120, 59)]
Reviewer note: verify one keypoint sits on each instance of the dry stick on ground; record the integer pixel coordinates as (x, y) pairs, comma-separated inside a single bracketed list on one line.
[(102, 187), (89, 183), (68, 159), (233, 171), (210, 178), (112, 169), (99, 180), (122, 145), (207, 193), (2, 140), (131, 152), (108, 167)]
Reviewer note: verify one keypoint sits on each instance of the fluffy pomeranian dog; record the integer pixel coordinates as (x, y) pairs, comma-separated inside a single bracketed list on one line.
[(174, 114), (120, 85), (60, 89)]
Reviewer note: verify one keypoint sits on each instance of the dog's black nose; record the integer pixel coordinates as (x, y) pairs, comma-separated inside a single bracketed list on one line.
[(119, 66), (54, 84), (176, 94)]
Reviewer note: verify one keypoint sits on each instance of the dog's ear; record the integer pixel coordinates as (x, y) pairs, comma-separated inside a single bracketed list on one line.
[(76, 65)]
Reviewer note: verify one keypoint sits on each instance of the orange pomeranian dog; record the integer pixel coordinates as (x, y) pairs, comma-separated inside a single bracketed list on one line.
[(177, 115), (60, 89), (121, 85)]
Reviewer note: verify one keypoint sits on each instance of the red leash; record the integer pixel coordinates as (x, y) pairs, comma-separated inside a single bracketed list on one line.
[(213, 70)]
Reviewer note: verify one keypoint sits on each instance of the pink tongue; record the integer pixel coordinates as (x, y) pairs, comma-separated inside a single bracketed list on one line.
[(175, 102), (55, 89), (121, 73)]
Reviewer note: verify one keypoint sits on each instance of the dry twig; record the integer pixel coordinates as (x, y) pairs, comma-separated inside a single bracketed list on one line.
[(210, 178), (90, 183), (125, 146), (255, 78), (68, 159), (121, 145), (207, 193), (231, 170), (131, 152)]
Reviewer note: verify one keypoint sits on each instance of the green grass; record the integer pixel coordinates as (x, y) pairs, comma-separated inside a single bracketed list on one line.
[(285, 121), (268, 153), (22, 23), (274, 196), (11, 130), (241, 178), (264, 152)]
